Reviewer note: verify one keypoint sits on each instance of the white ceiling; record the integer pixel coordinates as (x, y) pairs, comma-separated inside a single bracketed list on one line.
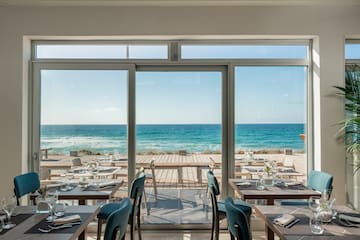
[(176, 2)]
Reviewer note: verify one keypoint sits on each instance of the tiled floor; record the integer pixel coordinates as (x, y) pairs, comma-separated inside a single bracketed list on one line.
[(182, 235)]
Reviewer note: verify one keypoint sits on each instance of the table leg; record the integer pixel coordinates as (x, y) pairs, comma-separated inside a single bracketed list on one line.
[(199, 177), (82, 235), (180, 173), (269, 234)]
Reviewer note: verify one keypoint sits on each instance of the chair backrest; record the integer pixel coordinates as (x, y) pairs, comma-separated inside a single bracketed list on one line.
[(26, 183), (118, 221), (76, 162), (238, 222), (214, 190), (320, 181), (136, 193), (213, 182)]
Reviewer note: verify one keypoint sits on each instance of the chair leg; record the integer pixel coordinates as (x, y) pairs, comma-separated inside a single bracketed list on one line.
[(132, 226), (138, 224), (99, 229), (231, 237), (212, 227), (217, 228), (154, 183)]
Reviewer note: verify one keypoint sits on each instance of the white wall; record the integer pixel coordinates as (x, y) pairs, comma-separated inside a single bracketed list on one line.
[(329, 24)]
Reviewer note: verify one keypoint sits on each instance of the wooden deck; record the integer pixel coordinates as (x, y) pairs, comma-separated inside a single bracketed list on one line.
[(175, 170)]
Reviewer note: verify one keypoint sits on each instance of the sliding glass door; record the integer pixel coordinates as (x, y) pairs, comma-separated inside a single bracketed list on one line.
[(179, 130)]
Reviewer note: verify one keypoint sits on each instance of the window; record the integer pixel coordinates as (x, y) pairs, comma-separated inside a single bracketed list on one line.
[(134, 103)]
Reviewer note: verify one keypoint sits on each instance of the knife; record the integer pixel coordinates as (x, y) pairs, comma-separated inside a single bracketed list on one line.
[(292, 223)]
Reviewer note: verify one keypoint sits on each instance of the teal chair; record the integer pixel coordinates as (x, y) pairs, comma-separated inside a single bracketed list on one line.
[(218, 207), (118, 221), (136, 193), (318, 181), (25, 184), (238, 221)]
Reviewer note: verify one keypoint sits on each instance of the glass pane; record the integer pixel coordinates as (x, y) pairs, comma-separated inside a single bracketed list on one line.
[(148, 52), (243, 51), (178, 127), (81, 51), (270, 118), (83, 122), (352, 51)]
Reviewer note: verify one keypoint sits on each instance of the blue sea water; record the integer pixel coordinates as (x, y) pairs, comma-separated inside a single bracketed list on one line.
[(169, 138)]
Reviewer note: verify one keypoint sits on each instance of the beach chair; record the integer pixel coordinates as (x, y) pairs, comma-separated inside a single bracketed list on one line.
[(76, 162)]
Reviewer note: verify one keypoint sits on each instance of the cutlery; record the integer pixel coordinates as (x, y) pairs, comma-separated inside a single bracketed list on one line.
[(52, 228), (292, 223)]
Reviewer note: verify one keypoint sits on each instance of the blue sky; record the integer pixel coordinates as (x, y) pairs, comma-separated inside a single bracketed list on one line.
[(262, 95)]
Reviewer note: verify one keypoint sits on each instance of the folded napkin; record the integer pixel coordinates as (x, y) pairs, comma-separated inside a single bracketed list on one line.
[(243, 184), (67, 219), (55, 185), (284, 219), (106, 184), (289, 184), (285, 169), (349, 218)]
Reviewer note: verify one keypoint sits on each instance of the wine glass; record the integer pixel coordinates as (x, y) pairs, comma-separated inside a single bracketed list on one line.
[(314, 203), (51, 199), (9, 206)]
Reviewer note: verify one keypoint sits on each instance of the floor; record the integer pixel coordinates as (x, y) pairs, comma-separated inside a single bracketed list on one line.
[(182, 235)]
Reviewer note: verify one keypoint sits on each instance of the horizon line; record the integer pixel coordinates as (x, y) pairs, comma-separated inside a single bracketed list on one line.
[(167, 123)]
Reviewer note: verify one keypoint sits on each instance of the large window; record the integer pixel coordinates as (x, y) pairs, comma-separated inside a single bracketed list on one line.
[(352, 68), (171, 108)]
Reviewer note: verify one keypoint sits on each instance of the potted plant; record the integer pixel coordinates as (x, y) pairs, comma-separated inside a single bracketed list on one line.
[(349, 131)]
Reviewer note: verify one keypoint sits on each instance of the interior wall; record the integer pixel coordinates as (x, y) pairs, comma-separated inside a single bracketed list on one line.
[(328, 24)]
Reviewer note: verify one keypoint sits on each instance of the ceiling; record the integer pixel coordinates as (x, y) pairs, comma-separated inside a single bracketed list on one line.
[(177, 2)]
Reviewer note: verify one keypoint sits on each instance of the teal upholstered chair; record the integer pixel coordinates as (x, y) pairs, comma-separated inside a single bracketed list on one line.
[(25, 184), (218, 207), (238, 221), (318, 181), (136, 193), (118, 221)]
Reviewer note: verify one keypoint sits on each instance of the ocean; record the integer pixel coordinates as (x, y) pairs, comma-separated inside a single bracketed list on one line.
[(205, 138)]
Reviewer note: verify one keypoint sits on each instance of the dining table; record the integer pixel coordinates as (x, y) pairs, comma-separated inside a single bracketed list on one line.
[(93, 190), (28, 223), (301, 230), (270, 193)]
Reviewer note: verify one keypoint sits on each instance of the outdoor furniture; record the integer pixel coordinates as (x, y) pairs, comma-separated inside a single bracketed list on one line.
[(301, 230), (270, 193), (25, 184), (151, 176), (238, 220), (118, 221), (28, 223), (136, 192), (318, 181), (76, 162)]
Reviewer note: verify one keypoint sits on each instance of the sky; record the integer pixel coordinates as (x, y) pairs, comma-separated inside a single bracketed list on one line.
[(262, 94)]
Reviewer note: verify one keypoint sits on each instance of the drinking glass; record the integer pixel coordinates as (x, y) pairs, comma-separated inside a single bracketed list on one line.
[(59, 209), (315, 224), (314, 203), (259, 182), (51, 199), (9, 206)]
